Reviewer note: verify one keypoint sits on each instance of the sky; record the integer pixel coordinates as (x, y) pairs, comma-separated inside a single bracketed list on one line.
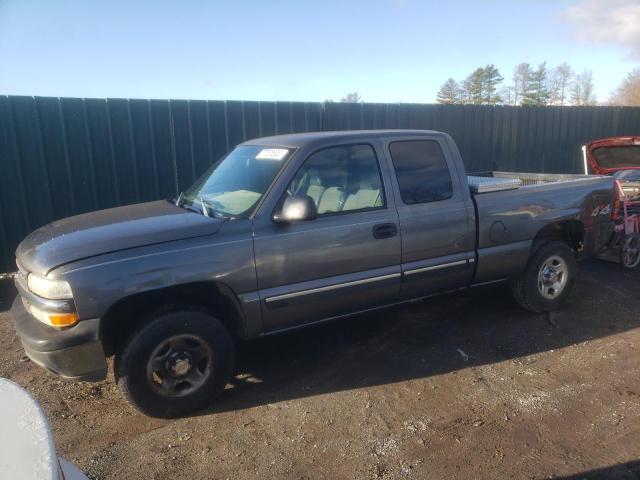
[(305, 50)]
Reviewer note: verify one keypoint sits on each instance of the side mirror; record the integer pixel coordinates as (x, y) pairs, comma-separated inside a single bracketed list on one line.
[(296, 208)]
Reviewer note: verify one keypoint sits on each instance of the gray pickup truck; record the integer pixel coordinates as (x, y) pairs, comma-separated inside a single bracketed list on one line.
[(284, 232)]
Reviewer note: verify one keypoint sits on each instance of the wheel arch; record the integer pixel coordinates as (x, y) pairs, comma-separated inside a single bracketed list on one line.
[(572, 232), (127, 314)]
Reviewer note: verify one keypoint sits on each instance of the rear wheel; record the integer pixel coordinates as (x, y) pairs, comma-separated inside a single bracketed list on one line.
[(630, 251), (179, 362), (548, 278)]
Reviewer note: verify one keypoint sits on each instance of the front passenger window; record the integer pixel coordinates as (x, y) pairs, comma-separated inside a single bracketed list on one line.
[(341, 179)]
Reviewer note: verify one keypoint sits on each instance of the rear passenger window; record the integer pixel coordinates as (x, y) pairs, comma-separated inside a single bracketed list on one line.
[(341, 179), (423, 175)]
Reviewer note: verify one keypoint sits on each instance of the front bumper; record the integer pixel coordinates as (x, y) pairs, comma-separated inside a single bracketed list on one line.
[(75, 353)]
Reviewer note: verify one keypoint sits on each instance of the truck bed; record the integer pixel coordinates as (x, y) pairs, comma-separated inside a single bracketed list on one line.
[(509, 218), (494, 181)]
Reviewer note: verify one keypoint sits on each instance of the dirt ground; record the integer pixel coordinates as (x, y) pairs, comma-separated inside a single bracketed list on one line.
[(462, 386)]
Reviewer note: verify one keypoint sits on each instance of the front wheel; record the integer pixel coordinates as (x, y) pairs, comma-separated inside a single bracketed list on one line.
[(177, 363), (548, 278)]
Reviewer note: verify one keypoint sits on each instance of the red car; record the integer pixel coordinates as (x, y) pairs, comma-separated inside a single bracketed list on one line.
[(620, 157), (607, 156)]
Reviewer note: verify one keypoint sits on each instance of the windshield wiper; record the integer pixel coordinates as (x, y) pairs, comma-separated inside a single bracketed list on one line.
[(191, 208), (205, 207), (208, 210), (180, 202)]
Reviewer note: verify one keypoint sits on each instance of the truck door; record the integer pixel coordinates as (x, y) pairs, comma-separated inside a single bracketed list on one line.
[(345, 260), (436, 218)]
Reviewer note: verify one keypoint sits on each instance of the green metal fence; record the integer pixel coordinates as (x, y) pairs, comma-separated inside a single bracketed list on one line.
[(62, 156)]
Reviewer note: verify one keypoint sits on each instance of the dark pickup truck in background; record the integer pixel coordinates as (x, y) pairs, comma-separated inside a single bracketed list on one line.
[(283, 232)]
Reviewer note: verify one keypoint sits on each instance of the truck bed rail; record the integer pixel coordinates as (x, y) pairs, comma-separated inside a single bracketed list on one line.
[(494, 181), (484, 184)]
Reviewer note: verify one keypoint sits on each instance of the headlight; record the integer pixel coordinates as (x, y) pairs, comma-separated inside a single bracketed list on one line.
[(50, 289)]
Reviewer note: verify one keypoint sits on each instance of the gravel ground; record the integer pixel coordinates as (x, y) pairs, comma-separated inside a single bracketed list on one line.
[(461, 386)]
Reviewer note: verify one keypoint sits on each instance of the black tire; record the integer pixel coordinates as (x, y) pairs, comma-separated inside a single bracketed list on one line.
[(630, 251), (177, 363), (535, 291)]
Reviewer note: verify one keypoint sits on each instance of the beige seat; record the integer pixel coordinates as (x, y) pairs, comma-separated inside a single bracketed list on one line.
[(315, 192), (314, 187), (363, 198), (331, 200), (364, 191), (343, 183)]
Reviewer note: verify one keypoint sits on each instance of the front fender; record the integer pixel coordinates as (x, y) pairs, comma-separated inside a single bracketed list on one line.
[(100, 282)]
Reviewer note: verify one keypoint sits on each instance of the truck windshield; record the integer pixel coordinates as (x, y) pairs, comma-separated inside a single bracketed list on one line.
[(618, 157), (233, 186)]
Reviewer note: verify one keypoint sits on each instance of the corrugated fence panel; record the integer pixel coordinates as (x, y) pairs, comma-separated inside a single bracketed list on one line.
[(60, 157), (143, 150)]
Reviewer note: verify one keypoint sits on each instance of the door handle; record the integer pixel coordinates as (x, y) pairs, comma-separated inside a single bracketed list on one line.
[(385, 230)]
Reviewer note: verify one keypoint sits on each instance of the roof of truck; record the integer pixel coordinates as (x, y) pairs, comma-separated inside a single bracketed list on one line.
[(300, 139)]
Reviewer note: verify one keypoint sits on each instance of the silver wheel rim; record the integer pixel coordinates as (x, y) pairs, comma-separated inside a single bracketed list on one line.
[(179, 365), (552, 277)]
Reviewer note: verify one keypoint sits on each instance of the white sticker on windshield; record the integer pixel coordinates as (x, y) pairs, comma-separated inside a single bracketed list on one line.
[(272, 154)]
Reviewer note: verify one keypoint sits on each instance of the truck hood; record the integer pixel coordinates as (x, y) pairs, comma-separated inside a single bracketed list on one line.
[(110, 230)]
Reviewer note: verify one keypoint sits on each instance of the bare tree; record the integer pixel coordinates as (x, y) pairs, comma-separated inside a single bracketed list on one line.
[(521, 80), (449, 92), (507, 95), (582, 92), (560, 82), (466, 89), (628, 93), (353, 97)]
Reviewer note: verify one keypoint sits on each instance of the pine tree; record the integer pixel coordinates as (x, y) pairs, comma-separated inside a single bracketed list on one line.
[(473, 87), (537, 92), (449, 92), (491, 80)]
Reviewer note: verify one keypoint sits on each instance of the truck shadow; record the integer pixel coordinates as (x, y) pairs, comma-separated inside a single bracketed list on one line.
[(622, 471), (440, 335)]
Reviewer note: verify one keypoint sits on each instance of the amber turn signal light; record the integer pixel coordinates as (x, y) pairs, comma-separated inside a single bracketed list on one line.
[(57, 320), (62, 320)]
